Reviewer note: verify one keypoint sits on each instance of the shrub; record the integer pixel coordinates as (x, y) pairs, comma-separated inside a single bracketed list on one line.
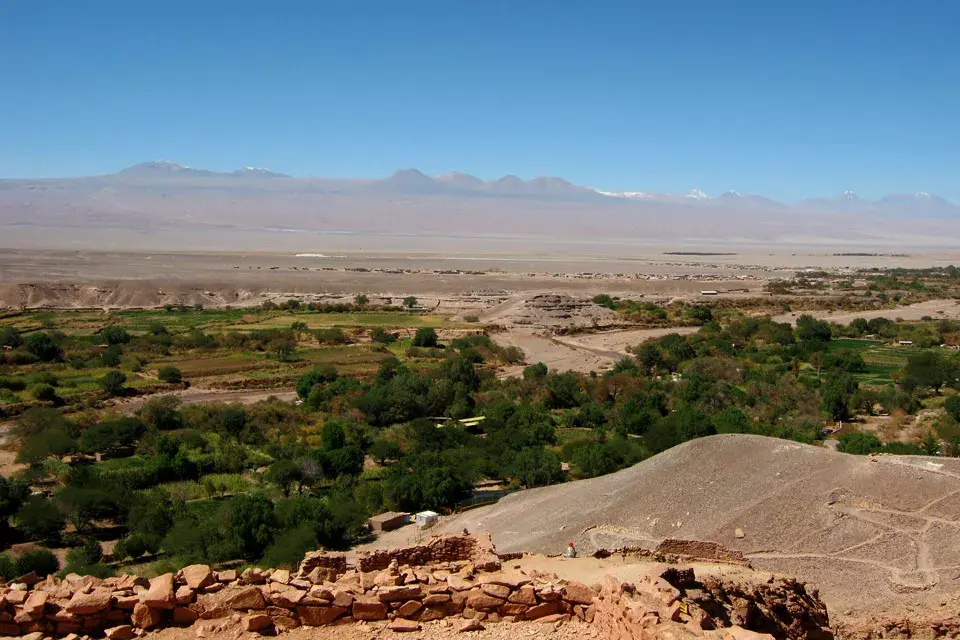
[(471, 318), (10, 337), (113, 382), (535, 371), (90, 552), (44, 393), (12, 384), (170, 375), (378, 334), (112, 356), (290, 547), (41, 561), (333, 335), (859, 443), (952, 405), (8, 569)]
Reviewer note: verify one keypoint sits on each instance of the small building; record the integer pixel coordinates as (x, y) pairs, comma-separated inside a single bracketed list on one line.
[(905, 343), (709, 292), (426, 519), (388, 521)]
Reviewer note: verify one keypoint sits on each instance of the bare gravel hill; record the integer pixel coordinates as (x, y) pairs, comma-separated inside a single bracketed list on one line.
[(870, 532)]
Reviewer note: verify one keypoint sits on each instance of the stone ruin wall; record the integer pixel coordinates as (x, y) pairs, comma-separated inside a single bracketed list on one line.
[(452, 576)]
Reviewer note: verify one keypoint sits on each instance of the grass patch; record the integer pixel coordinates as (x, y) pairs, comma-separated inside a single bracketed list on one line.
[(197, 489)]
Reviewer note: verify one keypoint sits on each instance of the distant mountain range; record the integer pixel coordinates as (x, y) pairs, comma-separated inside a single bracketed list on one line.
[(164, 197), (413, 181)]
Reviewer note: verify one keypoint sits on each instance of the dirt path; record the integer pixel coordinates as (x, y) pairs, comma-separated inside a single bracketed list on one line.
[(204, 396)]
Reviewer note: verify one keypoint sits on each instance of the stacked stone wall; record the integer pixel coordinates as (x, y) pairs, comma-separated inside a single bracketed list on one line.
[(406, 588)]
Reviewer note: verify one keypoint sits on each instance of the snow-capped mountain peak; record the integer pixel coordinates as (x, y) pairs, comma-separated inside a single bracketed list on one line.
[(850, 194), (696, 194)]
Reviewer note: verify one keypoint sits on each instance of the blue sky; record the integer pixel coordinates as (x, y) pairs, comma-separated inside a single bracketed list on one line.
[(788, 99)]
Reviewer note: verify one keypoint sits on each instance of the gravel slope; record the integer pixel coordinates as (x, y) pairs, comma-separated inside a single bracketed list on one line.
[(868, 532)]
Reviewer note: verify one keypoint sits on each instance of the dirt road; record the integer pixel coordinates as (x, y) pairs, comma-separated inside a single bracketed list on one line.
[(205, 396)]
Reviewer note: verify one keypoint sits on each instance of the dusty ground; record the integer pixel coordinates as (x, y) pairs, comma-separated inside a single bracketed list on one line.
[(369, 630), (92, 279), (584, 353), (872, 534), (196, 395), (936, 309)]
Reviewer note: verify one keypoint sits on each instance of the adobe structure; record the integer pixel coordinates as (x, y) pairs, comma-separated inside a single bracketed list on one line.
[(405, 589)]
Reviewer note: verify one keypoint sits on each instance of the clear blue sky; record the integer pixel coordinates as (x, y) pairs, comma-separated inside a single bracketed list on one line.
[(788, 99)]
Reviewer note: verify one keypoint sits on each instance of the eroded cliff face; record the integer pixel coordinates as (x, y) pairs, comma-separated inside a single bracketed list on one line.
[(450, 576)]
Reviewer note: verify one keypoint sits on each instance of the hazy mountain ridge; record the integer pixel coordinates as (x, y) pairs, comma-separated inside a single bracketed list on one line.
[(411, 181), (167, 198)]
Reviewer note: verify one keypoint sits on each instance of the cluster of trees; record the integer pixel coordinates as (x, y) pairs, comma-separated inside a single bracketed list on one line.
[(751, 375)]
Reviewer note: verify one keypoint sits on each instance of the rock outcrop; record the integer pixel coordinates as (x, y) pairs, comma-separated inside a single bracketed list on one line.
[(448, 576)]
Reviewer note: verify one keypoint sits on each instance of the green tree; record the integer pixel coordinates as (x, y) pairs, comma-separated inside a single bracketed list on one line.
[(812, 331), (409, 302), (250, 524), (650, 357), (429, 480), (283, 348), (837, 394), (701, 314), (112, 356), (10, 337), (162, 413), (111, 435), (43, 347), (425, 337), (40, 519), (285, 474), (361, 300), (563, 391), (382, 450), (952, 405), (54, 441), (535, 467), (299, 328), (595, 459), (732, 420), (930, 369), (113, 382), (13, 493), (149, 520), (316, 376), (859, 443), (536, 371), (115, 335), (333, 436), (169, 374), (232, 420)]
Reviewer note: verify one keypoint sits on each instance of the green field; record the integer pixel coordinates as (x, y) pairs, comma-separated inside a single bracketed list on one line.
[(882, 358)]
